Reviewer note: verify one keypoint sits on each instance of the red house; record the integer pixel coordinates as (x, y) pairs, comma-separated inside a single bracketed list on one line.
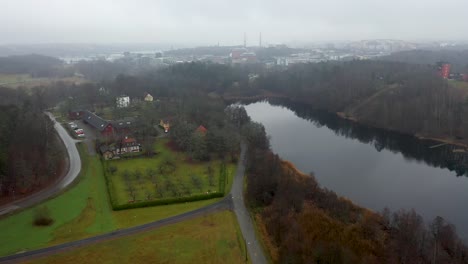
[(103, 126), (107, 127)]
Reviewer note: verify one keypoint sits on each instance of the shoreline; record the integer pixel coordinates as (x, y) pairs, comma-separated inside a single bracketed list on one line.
[(343, 115), (417, 136)]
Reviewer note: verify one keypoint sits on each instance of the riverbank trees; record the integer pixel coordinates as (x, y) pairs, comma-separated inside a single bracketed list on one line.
[(392, 95), (306, 223)]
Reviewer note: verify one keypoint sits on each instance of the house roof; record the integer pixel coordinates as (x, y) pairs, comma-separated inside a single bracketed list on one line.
[(129, 140), (202, 129), (95, 121), (124, 123)]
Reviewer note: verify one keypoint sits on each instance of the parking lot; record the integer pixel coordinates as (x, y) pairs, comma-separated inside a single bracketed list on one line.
[(90, 136)]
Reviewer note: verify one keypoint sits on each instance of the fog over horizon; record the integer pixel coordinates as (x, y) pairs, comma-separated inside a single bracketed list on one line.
[(218, 21)]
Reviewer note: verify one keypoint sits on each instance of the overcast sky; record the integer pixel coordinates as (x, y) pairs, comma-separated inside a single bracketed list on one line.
[(210, 21)]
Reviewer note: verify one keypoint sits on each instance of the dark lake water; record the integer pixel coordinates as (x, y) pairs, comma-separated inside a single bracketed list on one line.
[(372, 167)]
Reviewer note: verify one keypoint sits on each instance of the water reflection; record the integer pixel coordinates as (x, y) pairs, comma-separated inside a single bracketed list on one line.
[(373, 167), (413, 149)]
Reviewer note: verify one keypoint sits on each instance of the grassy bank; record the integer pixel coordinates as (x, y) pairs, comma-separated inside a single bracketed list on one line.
[(212, 238)]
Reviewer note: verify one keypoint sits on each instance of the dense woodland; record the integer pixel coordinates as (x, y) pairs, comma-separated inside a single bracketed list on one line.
[(30, 151), (393, 95), (305, 223)]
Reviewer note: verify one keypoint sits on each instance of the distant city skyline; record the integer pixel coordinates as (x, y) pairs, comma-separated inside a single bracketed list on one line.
[(209, 22)]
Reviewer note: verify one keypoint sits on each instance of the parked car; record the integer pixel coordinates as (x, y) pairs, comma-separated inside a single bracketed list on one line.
[(72, 125), (81, 135), (79, 131)]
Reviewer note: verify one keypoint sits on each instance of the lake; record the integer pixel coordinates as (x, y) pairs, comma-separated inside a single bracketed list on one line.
[(372, 167)]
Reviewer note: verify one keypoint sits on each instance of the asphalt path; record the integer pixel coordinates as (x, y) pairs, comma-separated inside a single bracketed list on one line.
[(224, 204), (234, 201), (243, 217), (74, 168)]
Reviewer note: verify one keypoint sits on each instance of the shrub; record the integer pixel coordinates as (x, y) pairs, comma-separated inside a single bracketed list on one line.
[(42, 216), (168, 201)]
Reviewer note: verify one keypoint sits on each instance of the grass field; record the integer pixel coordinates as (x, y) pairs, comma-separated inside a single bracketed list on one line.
[(213, 238), (81, 211), (165, 175)]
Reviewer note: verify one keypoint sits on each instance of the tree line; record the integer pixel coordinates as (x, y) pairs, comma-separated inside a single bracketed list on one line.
[(404, 97), (30, 150), (306, 223)]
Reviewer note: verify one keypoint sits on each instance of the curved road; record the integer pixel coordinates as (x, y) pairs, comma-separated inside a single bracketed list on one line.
[(234, 200), (73, 171)]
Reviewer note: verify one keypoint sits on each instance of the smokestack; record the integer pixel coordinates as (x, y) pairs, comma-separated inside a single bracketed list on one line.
[(245, 40), (260, 40)]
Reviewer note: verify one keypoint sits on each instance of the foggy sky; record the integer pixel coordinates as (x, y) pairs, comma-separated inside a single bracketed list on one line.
[(212, 21)]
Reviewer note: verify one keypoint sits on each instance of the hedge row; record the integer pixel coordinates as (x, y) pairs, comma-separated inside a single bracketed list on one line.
[(175, 200), (167, 201)]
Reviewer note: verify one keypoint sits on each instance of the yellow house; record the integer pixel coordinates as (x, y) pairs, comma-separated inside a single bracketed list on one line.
[(165, 125), (148, 97)]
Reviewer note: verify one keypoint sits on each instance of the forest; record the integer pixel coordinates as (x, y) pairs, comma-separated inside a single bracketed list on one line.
[(403, 97), (31, 153)]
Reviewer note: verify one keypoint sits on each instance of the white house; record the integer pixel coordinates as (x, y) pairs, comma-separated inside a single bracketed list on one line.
[(122, 101)]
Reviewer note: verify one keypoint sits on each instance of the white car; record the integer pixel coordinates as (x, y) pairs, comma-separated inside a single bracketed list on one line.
[(72, 125), (80, 135)]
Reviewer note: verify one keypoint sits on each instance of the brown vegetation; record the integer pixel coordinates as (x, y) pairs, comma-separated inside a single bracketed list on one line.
[(305, 223)]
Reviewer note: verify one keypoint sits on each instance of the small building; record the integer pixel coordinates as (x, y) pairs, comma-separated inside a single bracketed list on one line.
[(148, 97), (128, 145), (165, 124), (124, 126), (75, 114), (107, 152), (103, 126), (116, 149), (122, 101)]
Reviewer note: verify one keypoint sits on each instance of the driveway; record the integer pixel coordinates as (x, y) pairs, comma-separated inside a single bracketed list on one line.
[(74, 162), (91, 135)]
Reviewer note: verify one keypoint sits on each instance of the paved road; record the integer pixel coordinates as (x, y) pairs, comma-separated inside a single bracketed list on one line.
[(243, 217), (224, 204), (234, 200), (74, 162)]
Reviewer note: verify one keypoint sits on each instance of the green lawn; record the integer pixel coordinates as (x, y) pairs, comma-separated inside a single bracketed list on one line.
[(168, 174), (213, 238), (81, 211)]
